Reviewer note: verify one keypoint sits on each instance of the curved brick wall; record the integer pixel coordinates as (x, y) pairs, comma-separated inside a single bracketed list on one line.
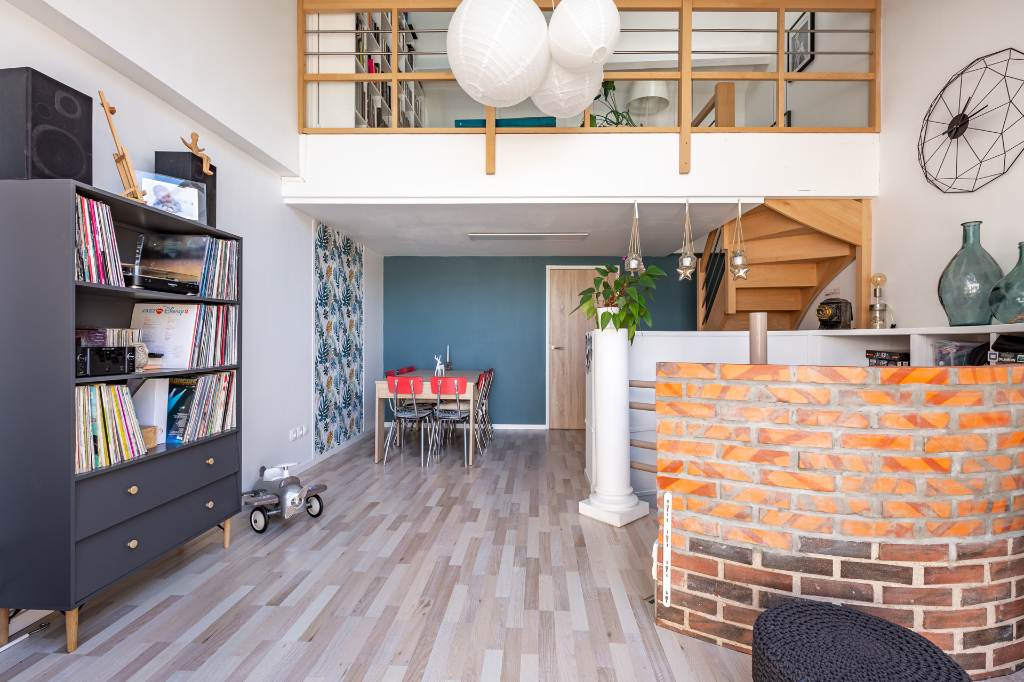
[(895, 490)]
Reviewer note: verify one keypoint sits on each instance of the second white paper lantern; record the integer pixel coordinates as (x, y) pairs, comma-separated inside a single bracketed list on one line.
[(565, 94), (583, 33)]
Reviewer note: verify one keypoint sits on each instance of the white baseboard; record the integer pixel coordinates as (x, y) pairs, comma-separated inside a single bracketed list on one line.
[(520, 427)]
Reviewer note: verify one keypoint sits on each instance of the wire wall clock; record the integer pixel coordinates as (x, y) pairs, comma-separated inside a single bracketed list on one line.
[(973, 131)]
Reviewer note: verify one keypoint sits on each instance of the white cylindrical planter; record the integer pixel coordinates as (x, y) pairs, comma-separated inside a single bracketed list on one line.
[(611, 499)]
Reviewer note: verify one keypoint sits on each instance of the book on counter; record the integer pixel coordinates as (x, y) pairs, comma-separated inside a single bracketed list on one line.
[(91, 336), (207, 261), (107, 430), (189, 336), (96, 256)]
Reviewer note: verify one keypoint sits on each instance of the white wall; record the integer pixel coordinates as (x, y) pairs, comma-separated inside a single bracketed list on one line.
[(277, 248), (229, 65), (916, 227), (373, 333)]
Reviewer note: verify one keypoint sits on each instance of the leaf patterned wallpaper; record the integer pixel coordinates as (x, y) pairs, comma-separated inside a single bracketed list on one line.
[(338, 321)]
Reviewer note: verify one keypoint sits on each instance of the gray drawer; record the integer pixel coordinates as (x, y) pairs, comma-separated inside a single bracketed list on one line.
[(107, 556), (104, 499)]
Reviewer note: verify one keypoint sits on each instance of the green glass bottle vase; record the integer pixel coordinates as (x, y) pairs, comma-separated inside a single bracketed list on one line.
[(1007, 297), (968, 280)]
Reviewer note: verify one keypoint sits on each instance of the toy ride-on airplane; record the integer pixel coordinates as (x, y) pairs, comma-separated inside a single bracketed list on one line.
[(281, 494)]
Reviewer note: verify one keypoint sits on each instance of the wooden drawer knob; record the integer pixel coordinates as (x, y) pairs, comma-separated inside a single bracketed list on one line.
[(210, 461), (134, 489), (209, 505), (133, 544)]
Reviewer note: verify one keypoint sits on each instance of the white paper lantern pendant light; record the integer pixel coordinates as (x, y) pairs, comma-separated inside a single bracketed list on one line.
[(498, 50), (583, 34), (564, 94)]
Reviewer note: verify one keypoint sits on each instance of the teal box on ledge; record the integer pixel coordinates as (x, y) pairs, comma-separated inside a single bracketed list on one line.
[(524, 122)]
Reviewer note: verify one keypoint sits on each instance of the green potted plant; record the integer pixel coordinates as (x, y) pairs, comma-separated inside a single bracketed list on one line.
[(622, 301)]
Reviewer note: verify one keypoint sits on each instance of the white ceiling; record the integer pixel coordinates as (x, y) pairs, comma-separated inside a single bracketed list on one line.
[(442, 229)]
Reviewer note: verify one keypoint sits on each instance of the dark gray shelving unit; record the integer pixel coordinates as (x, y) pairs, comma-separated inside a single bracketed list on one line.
[(71, 537)]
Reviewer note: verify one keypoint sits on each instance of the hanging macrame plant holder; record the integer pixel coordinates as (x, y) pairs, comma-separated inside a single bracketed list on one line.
[(738, 264), (687, 259), (634, 261)]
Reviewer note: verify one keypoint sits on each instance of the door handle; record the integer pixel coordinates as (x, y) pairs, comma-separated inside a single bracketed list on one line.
[(557, 347)]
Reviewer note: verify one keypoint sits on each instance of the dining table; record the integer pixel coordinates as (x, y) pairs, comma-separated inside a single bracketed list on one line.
[(428, 396)]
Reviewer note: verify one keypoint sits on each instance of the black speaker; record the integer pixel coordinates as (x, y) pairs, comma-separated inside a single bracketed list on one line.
[(45, 128), (188, 166)]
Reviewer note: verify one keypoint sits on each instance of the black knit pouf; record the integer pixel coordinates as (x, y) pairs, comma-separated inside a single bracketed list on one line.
[(808, 641)]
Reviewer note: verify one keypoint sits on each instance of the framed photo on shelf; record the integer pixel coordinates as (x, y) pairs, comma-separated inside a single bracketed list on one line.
[(183, 198), (800, 40)]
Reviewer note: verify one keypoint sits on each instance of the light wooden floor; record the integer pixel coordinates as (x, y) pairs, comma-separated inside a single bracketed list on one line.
[(410, 574)]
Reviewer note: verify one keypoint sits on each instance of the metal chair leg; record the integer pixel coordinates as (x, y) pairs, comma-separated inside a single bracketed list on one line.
[(465, 443), (420, 422), (387, 441)]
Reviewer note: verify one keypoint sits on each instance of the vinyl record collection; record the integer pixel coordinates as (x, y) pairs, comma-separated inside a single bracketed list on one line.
[(220, 278), (107, 431), (213, 406), (96, 256), (107, 337), (216, 333)]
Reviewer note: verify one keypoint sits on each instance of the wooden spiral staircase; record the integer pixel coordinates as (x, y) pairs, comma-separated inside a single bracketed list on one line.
[(795, 248)]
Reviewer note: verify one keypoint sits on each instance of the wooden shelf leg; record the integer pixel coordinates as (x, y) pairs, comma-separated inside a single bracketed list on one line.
[(71, 622), (227, 533), (5, 625)]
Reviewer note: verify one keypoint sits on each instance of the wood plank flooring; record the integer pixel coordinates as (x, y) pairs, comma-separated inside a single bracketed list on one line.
[(410, 574)]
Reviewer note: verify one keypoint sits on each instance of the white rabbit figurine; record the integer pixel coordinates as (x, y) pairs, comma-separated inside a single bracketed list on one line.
[(439, 369)]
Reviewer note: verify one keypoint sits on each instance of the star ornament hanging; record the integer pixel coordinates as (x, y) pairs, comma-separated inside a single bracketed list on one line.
[(973, 131), (687, 265), (738, 265)]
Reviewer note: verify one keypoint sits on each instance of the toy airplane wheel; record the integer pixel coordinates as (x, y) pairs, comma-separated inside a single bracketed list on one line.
[(258, 519), (314, 506)]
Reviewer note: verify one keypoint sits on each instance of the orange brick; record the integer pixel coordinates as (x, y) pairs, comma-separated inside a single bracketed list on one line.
[(672, 389), (1018, 503), (757, 536), (695, 525), (738, 512), (984, 420), (958, 443), (878, 529), (717, 392), (718, 470), (832, 505), (878, 484), (686, 447), (688, 370), (981, 375), (954, 486), (755, 372), (1008, 524), (702, 410), (786, 479), (914, 375), (854, 420), (877, 441), (817, 396), (900, 509), (954, 398), (1013, 439), (686, 486), (993, 463), (807, 522), (1017, 374), (671, 466), (739, 453), (913, 420), (976, 507), (720, 432), (777, 415), (831, 375), (815, 460), (1014, 482), (942, 529), (813, 439), (917, 465), (766, 497), (1009, 396), (850, 397)]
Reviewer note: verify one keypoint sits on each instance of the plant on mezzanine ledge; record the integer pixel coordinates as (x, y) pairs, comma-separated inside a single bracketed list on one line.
[(627, 292)]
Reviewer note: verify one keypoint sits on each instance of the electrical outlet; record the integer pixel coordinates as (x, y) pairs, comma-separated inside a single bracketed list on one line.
[(292, 435), (305, 429)]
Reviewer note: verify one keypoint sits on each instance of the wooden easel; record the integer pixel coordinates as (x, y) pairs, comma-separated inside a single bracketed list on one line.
[(122, 159)]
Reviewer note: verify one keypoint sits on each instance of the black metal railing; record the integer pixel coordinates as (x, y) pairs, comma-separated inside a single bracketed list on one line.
[(714, 271)]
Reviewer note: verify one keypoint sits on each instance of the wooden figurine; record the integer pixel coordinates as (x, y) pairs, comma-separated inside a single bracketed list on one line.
[(198, 151), (122, 159)]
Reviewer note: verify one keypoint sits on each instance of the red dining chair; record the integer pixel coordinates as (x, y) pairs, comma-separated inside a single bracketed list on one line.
[(406, 388), (406, 370), (479, 417), (390, 373), (449, 414)]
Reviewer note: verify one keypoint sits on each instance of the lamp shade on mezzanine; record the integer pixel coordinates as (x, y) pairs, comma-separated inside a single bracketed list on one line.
[(648, 97)]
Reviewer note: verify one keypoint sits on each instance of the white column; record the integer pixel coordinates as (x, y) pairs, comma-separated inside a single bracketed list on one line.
[(611, 499)]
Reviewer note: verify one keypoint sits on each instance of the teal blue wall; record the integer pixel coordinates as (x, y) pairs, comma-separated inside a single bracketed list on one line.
[(492, 312)]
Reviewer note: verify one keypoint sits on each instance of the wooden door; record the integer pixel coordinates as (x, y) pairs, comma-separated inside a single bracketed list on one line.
[(567, 348)]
